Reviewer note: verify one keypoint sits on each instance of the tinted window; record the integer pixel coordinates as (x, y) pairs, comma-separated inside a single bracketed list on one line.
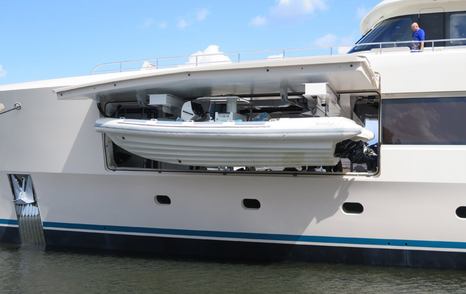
[(461, 212), (434, 26), (427, 121), (251, 203), (163, 199), (353, 208), (457, 28), (399, 29), (394, 29)]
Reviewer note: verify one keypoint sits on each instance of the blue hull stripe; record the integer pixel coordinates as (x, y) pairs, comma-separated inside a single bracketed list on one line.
[(10, 222), (259, 236)]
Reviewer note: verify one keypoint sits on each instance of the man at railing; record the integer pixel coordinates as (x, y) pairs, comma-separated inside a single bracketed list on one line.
[(419, 36)]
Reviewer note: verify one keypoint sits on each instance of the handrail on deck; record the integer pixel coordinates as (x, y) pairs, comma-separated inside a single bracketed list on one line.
[(238, 57), (382, 45), (209, 58)]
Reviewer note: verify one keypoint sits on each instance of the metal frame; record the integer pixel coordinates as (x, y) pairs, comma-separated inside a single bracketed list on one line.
[(239, 57), (396, 44), (108, 160)]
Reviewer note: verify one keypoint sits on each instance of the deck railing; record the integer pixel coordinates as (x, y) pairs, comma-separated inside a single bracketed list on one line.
[(201, 59), (212, 58), (429, 45)]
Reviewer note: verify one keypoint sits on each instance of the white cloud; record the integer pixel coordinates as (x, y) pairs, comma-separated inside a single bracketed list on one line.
[(3, 72), (259, 21), (147, 65), (197, 16), (163, 25), (202, 14), (182, 24), (326, 41), (349, 40), (295, 8), (289, 10), (343, 49), (341, 45), (211, 55), (276, 56), (361, 12), (148, 23)]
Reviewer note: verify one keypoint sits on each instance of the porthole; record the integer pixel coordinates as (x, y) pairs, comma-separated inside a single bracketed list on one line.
[(163, 200), (353, 208), (461, 212), (251, 203)]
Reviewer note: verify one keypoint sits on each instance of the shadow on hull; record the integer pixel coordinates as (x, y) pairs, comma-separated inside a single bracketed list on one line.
[(231, 251)]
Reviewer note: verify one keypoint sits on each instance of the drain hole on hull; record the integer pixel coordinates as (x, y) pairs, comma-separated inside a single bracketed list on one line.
[(251, 204), (461, 212), (163, 200), (353, 208)]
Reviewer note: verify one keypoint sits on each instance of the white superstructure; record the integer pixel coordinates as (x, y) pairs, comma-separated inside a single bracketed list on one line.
[(399, 202)]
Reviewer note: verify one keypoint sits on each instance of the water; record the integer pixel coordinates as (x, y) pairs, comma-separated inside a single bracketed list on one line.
[(25, 270)]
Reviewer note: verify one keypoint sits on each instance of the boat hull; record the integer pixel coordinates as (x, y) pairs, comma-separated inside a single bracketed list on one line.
[(246, 251), (301, 218)]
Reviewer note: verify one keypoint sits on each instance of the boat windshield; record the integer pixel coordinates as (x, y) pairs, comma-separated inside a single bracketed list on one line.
[(391, 30), (438, 26), (395, 29)]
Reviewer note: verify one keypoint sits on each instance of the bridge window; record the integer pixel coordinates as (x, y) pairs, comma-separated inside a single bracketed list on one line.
[(434, 26), (457, 28), (390, 30), (438, 26), (424, 121)]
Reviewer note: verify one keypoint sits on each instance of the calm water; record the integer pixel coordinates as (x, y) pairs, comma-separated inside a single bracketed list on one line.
[(34, 271)]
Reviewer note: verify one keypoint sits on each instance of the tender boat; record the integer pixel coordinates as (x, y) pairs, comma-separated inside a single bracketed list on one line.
[(277, 143)]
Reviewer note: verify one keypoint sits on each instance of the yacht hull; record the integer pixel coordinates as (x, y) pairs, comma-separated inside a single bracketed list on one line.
[(246, 251), (9, 233), (207, 220)]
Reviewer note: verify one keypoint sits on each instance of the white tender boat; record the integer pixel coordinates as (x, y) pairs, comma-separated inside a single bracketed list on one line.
[(277, 143)]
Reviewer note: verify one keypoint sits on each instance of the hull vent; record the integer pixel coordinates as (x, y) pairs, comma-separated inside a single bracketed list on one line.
[(27, 211)]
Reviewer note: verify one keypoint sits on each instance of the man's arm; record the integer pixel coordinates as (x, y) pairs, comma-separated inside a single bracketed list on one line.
[(422, 36)]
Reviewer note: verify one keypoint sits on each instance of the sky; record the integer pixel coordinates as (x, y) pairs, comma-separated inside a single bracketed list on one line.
[(44, 39)]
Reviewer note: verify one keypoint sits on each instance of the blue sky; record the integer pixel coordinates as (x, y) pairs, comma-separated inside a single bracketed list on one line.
[(55, 38)]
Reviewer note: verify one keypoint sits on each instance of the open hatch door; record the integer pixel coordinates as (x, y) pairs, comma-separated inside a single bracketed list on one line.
[(272, 115), (346, 74)]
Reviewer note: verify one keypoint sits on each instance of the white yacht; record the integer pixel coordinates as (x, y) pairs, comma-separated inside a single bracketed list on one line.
[(355, 158)]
